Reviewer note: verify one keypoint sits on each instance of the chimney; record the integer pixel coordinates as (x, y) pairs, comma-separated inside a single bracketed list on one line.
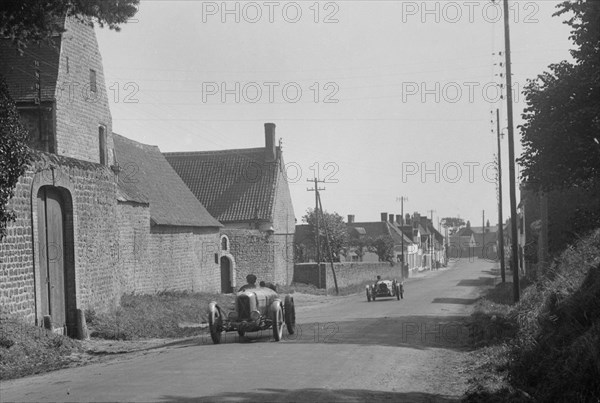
[(270, 153), (399, 219), (350, 218), (416, 219), (384, 217), (391, 218)]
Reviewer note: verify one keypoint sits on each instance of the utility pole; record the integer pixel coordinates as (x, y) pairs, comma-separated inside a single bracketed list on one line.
[(500, 219), (317, 233), (483, 233), (511, 158), (337, 291), (431, 236), (402, 198)]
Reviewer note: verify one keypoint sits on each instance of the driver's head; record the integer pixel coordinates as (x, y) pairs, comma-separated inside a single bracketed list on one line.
[(378, 277), (251, 279)]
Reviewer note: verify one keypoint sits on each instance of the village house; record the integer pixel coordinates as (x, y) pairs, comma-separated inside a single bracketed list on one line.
[(97, 215), (247, 191)]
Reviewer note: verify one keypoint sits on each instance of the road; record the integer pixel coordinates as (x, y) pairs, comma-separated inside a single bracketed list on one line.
[(346, 349)]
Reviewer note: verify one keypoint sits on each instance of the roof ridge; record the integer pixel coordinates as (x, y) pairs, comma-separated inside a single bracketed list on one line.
[(208, 152)]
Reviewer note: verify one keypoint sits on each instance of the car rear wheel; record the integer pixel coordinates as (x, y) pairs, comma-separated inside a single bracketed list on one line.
[(401, 291), (290, 314), (215, 325), (368, 296), (397, 292), (277, 319)]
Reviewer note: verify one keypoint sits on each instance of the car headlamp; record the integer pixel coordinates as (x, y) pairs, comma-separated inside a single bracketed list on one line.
[(254, 315)]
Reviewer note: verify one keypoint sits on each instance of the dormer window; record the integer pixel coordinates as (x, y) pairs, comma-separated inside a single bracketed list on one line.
[(102, 145), (93, 86)]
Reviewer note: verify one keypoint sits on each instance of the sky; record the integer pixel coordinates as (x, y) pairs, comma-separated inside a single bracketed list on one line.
[(380, 99)]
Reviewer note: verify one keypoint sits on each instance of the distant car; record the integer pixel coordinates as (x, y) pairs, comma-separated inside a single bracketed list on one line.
[(255, 309), (385, 288)]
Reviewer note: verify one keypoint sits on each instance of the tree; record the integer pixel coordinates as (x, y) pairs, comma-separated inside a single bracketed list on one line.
[(561, 145), (26, 21), (452, 222), (14, 153), (336, 229), (383, 246)]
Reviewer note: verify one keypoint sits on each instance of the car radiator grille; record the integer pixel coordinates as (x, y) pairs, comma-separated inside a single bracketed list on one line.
[(243, 307)]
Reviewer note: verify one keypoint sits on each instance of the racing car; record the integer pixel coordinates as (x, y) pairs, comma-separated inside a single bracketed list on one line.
[(385, 288), (255, 309)]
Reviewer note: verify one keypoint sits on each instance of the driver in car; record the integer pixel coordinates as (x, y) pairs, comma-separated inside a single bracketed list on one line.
[(251, 282)]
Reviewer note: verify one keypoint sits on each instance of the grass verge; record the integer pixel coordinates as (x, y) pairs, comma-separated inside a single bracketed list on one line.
[(26, 349), (155, 316), (554, 354)]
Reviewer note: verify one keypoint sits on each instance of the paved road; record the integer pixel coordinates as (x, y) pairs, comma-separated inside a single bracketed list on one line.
[(346, 349)]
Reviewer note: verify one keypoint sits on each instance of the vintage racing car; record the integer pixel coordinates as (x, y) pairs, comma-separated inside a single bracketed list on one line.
[(385, 288), (256, 309)]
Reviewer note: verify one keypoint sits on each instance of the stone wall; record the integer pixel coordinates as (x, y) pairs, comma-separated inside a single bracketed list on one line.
[(284, 225), (253, 253), (80, 111), (89, 193), (347, 273)]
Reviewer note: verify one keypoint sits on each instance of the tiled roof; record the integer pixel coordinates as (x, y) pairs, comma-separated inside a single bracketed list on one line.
[(378, 228), (19, 70), (146, 176), (234, 185)]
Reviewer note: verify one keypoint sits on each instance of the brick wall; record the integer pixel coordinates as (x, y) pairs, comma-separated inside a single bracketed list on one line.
[(79, 111), (347, 273), (90, 203), (162, 258), (284, 225), (253, 253)]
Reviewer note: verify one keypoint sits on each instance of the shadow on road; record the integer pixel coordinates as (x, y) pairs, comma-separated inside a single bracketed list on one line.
[(477, 282), (315, 395), (460, 301), (418, 332)]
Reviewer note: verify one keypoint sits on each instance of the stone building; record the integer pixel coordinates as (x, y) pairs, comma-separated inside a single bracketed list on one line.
[(77, 222), (247, 191)]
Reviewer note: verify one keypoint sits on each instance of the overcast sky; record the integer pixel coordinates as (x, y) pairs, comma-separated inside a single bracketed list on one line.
[(388, 89)]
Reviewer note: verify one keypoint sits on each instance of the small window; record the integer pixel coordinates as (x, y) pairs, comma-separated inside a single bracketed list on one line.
[(224, 243), (93, 87), (102, 143)]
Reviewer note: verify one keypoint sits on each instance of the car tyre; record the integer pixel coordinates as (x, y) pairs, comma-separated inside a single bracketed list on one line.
[(290, 314), (401, 291), (398, 292), (368, 296), (215, 325), (277, 319)]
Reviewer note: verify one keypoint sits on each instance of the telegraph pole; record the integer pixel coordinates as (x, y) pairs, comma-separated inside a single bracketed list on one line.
[(500, 219), (337, 291), (483, 233), (402, 198), (317, 233), (431, 237), (511, 158)]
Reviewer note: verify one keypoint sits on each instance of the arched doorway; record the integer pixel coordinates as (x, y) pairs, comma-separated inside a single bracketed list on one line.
[(56, 268), (226, 275)]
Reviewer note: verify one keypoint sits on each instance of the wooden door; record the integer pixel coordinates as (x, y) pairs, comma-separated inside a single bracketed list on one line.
[(225, 275), (51, 220)]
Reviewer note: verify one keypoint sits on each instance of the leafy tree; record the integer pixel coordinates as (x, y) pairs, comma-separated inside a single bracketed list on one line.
[(383, 246), (14, 153), (336, 229), (452, 222), (38, 20), (360, 245), (561, 144)]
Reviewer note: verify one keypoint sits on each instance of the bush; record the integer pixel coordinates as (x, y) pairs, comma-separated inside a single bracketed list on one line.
[(556, 354)]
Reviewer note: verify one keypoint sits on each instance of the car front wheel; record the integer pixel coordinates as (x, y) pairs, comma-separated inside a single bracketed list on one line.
[(214, 325), (290, 314), (277, 319)]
